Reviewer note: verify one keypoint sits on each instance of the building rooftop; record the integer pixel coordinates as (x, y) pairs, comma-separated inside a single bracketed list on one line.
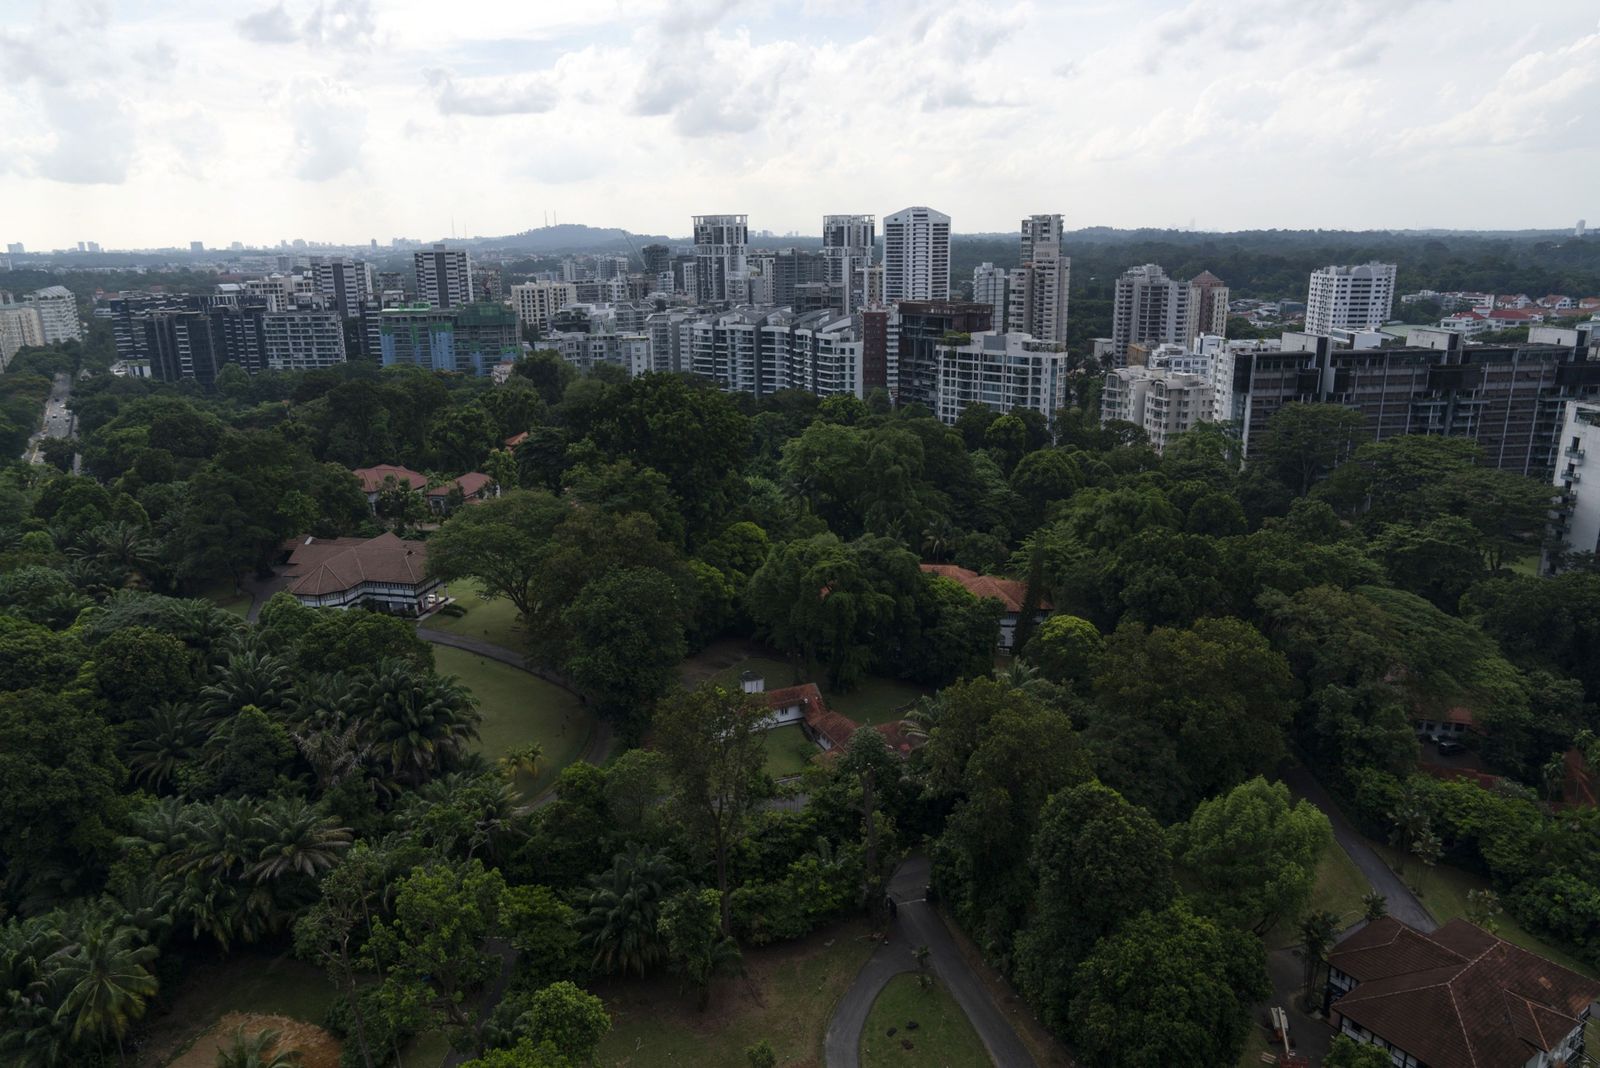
[(372, 477), (1459, 997), (1009, 592), (319, 567)]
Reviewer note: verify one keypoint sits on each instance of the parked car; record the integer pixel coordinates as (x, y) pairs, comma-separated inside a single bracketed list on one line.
[(1447, 747)]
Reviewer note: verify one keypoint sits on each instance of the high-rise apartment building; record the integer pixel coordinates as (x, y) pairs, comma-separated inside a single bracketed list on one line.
[(764, 350), (1003, 371), (58, 314), (1576, 522), (343, 284), (276, 291), (196, 339), (991, 285), (444, 276), (1350, 298), (486, 333), (15, 248), (19, 328), (1163, 403), (303, 340), (1150, 309), (1211, 305), (720, 243), (657, 260), (1037, 300), (916, 330), (916, 255), (536, 303), (848, 243)]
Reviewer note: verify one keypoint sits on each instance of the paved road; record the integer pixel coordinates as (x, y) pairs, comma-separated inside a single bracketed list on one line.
[(57, 420), (919, 924), (1403, 904)]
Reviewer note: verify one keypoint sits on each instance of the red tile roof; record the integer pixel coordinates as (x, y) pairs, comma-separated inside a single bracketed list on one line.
[(471, 483), (372, 477), (1008, 592), (1459, 997), (320, 568), (516, 439)]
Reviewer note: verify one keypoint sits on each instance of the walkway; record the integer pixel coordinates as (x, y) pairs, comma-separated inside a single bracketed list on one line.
[(919, 924), (1403, 904)]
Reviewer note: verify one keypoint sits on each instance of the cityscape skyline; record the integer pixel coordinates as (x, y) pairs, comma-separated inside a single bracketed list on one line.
[(339, 119)]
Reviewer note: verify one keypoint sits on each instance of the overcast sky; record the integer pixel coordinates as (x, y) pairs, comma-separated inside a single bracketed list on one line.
[(164, 121)]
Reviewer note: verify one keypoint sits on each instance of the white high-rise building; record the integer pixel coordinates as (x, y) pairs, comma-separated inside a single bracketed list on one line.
[(1358, 298), (1037, 302), (1004, 371), (991, 285), (848, 243), (1150, 309), (916, 255), (276, 290), (344, 285), (720, 273), (537, 302), (444, 276), (19, 328), (1164, 403), (58, 314), (1577, 522), (303, 340)]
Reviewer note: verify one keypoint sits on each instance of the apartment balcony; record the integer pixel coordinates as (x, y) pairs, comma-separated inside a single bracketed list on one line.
[(1570, 477), (1574, 452)]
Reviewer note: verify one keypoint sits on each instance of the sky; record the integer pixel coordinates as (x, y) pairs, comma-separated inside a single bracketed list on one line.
[(159, 122)]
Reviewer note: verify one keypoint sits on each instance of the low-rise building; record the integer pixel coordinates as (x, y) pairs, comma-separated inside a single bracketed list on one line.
[(382, 574), (472, 487), (373, 480), (1458, 997), (1011, 594)]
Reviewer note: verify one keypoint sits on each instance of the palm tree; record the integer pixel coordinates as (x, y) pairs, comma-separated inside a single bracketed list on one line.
[(298, 839), (1021, 675), (418, 726), (621, 924), (106, 980), (249, 678), (1317, 932), (523, 760), (170, 736), (1409, 820), (333, 752), (124, 547), (256, 1050), (924, 715)]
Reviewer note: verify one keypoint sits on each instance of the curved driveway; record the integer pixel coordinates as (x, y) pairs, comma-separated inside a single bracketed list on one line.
[(918, 924)]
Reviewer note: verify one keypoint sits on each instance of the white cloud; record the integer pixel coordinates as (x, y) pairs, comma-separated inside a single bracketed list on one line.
[(524, 95)]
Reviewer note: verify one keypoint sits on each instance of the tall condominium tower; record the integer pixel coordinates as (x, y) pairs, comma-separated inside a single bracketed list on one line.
[(444, 276), (1037, 302), (1150, 309), (848, 242), (1211, 304), (1350, 298), (989, 286), (58, 314), (343, 284), (916, 255), (720, 273)]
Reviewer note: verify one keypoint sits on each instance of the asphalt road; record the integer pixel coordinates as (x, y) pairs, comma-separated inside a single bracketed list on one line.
[(58, 421), (918, 924)]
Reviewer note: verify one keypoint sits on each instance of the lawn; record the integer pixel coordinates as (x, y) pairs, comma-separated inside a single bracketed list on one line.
[(788, 750), (871, 701), (910, 1025), (230, 599), (1339, 889), (493, 621), (519, 708), (249, 981), (1444, 893), (787, 999)]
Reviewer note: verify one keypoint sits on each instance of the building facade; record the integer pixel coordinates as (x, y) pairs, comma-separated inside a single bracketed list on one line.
[(1003, 371), (992, 285), (1211, 304), (344, 285), (1150, 309), (720, 247), (444, 276), (58, 314), (1164, 403), (1350, 298), (417, 336), (915, 330), (848, 244), (1576, 521), (19, 328), (916, 255), (302, 340), (536, 303), (1037, 290)]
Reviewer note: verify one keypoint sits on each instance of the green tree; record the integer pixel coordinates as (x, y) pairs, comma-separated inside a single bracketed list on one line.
[(1252, 854), (1304, 443), (1348, 1053), (1317, 933), (1093, 854), (714, 743), (1066, 649), (571, 1021), (501, 544), (106, 981), (621, 922), (257, 1049), (1169, 988), (626, 641), (691, 926)]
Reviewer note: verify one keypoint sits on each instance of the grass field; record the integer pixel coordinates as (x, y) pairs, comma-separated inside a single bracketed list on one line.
[(229, 599), (1339, 889), (870, 702), (787, 999), (942, 1036), (519, 708), (248, 981), (788, 750), (493, 621)]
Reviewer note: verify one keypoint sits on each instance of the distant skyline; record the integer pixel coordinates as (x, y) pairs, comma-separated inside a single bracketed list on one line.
[(158, 123)]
